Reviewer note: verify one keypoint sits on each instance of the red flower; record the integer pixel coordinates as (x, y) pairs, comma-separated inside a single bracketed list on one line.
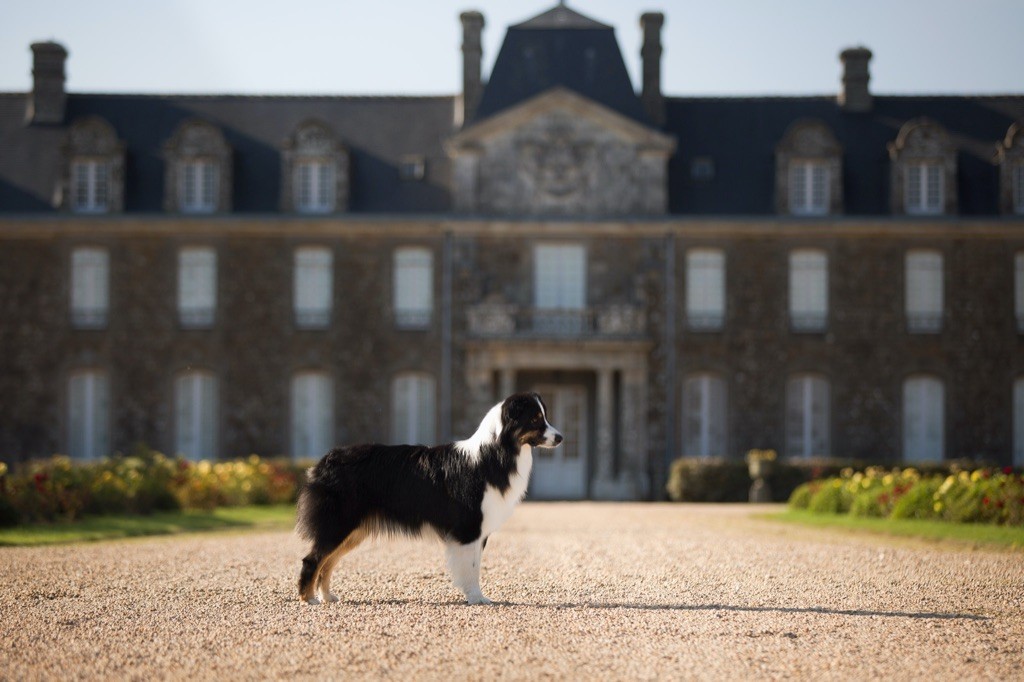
[(1007, 470), (984, 501)]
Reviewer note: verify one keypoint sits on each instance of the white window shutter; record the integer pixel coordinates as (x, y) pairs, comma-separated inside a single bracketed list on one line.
[(808, 289), (312, 414), (426, 416), (90, 288), (413, 286), (705, 288), (924, 294), (795, 438), (314, 280), (819, 416), (693, 413), (923, 419), (89, 415)]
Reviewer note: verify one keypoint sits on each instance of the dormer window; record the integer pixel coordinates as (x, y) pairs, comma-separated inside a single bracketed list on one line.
[(94, 171), (923, 173), (924, 189), (90, 186), (808, 187), (198, 187), (1010, 158), (808, 170), (198, 177), (314, 171)]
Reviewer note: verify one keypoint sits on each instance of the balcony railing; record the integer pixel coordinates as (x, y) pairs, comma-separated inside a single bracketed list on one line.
[(504, 320)]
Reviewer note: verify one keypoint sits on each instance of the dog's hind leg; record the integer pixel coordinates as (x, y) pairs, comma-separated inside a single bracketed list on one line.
[(327, 567), (314, 562), (464, 565)]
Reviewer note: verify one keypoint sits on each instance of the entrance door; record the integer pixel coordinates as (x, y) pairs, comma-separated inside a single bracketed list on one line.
[(560, 473)]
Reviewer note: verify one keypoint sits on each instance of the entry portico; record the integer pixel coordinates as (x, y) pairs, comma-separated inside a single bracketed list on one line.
[(610, 376)]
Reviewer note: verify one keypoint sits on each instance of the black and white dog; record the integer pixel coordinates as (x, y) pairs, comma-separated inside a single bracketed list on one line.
[(463, 491)]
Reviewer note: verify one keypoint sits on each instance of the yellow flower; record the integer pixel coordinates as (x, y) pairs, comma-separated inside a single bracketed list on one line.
[(937, 507)]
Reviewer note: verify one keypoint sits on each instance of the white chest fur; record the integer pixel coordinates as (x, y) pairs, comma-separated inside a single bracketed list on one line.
[(497, 507)]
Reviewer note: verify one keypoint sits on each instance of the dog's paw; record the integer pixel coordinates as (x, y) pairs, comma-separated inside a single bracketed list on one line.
[(331, 598), (479, 599), (312, 601)]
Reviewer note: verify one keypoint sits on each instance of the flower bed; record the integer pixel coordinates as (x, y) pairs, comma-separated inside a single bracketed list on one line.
[(60, 489), (980, 496)]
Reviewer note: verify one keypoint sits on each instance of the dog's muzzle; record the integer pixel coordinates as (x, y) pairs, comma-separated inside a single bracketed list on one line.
[(552, 438)]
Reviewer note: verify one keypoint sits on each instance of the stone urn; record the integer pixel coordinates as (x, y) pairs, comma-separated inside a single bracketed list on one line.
[(760, 464)]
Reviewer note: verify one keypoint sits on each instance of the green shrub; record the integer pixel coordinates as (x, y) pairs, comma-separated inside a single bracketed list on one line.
[(919, 501), (801, 497), (711, 479), (829, 498)]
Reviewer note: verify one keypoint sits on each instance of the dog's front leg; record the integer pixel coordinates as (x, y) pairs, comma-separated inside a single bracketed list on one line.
[(464, 565)]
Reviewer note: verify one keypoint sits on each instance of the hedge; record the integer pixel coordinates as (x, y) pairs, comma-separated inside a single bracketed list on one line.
[(726, 479), (984, 495), (59, 489)]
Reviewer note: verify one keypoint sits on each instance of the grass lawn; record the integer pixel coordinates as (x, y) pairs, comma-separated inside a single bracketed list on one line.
[(970, 533), (163, 523)]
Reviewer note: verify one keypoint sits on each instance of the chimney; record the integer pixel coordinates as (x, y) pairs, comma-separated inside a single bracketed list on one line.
[(47, 99), (855, 95), (472, 86), (650, 54)]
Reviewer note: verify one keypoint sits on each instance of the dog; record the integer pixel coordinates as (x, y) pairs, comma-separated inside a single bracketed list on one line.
[(462, 491)]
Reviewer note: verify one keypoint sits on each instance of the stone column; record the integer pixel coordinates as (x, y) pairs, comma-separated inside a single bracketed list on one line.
[(605, 424), (634, 432)]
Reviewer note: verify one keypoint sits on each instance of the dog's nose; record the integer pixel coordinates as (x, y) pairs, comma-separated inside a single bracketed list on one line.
[(558, 438)]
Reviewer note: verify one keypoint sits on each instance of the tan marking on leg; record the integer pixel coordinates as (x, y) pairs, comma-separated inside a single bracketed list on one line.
[(326, 567)]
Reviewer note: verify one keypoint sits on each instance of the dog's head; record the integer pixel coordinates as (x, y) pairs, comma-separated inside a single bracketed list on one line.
[(524, 418)]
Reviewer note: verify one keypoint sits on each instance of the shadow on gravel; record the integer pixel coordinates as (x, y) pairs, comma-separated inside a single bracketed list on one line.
[(923, 615), (763, 609)]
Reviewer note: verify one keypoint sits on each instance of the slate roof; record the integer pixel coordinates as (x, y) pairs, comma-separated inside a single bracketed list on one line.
[(740, 135), (378, 131), (560, 48)]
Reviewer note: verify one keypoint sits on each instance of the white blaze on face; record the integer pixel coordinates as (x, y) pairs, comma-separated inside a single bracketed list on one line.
[(551, 435)]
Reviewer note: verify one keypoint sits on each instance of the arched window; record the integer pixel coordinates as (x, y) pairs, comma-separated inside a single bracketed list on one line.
[(196, 415), (198, 176), (704, 416), (808, 416), (413, 409), (88, 414), (312, 415), (808, 170), (923, 173), (924, 424), (93, 174), (314, 170)]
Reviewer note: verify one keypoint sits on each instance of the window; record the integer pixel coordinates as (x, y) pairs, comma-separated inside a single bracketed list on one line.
[(808, 414), (88, 414), (924, 193), (312, 414), (90, 274), (1018, 289), (195, 415), (92, 169), (314, 170), (199, 169), (197, 286), (924, 291), (413, 287), (705, 289), (808, 170), (808, 187), (198, 192), (560, 289), (90, 186), (808, 290), (413, 411), (314, 279), (314, 186), (923, 172), (923, 419), (412, 167), (1018, 423), (704, 416)]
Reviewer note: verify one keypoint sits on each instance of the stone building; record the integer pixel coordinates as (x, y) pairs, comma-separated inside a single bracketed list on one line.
[(221, 275)]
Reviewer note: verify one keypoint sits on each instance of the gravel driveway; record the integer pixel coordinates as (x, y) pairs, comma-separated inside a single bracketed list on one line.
[(582, 591)]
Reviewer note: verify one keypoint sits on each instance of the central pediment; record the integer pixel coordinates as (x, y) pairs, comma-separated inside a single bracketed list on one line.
[(560, 154)]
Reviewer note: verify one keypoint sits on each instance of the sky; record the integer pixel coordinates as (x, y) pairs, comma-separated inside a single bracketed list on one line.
[(412, 47)]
